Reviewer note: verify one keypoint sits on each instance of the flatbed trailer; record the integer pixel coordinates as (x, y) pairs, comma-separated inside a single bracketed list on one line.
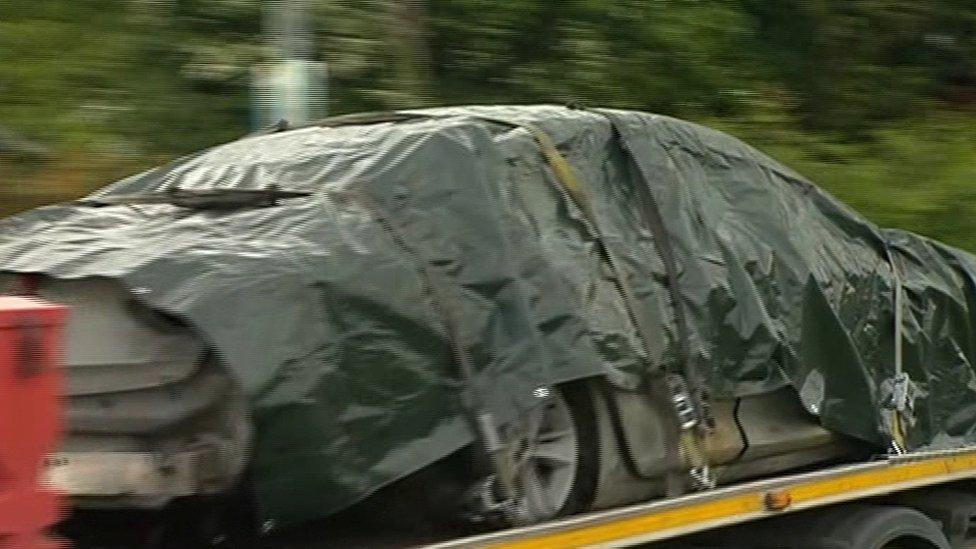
[(926, 483)]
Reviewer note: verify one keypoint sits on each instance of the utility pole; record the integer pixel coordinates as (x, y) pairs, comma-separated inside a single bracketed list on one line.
[(286, 28), (291, 86)]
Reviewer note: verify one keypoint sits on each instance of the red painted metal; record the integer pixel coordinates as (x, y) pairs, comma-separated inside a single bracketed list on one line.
[(31, 343)]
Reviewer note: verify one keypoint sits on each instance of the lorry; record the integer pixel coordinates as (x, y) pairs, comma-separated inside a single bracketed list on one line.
[(582, 326)]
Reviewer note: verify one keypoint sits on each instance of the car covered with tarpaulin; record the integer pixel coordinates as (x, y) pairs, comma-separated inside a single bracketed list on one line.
[(341, 305)]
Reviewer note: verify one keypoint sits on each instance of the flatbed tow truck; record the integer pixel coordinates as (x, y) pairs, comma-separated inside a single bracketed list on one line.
[(903, 500), (906, 500)]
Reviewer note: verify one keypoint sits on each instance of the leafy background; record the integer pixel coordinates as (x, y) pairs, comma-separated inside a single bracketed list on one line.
[(873, 99)]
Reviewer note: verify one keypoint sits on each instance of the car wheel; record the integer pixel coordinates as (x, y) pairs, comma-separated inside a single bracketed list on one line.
[(556, 458)]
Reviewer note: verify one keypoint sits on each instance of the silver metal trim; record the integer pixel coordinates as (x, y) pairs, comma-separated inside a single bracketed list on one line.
[(123, 474)]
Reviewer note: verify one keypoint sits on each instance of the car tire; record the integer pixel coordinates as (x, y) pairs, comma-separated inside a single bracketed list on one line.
[(558, 461)]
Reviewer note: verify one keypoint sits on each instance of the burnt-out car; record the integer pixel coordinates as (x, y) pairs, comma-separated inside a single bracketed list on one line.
[(525, 311)]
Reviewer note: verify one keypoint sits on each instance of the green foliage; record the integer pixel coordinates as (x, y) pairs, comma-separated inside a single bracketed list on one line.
[(134, 78), (869, 98), (917, 173)]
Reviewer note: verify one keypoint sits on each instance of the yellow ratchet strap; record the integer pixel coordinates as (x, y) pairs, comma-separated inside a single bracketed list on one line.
[(690, 441)]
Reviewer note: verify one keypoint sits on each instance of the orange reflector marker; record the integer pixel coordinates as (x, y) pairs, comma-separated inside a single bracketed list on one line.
[(777, 501)]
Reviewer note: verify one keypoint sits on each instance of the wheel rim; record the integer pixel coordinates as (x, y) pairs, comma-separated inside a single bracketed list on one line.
[(547, 458)]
